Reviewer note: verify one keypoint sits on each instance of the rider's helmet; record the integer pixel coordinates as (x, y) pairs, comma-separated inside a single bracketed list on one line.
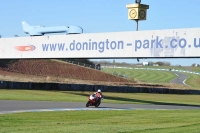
[(99, 91)]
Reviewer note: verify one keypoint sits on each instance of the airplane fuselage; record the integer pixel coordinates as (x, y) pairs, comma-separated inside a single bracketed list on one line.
[(41, 30)]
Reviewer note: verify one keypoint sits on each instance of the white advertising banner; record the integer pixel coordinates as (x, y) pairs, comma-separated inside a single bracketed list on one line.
[(137, 44)]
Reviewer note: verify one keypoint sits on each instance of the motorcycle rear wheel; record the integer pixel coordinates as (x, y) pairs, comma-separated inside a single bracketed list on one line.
[(88, 104)]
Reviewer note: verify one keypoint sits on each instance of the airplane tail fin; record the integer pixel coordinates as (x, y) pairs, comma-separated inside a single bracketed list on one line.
[(25, 26)]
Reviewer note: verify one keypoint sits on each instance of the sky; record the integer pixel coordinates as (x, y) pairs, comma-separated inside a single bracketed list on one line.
[(100, 16)]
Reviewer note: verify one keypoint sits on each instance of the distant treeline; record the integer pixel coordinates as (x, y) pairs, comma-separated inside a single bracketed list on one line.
[(150, 63)]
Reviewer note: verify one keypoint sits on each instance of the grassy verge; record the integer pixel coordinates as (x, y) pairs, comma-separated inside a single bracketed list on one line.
[(140, 121), (193, 80), (152, 76), (196, 69), (144, 75), (122, 98), (162, 67)]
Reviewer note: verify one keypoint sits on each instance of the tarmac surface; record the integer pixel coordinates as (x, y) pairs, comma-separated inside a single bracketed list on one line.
[(10, 106), (181, 78)]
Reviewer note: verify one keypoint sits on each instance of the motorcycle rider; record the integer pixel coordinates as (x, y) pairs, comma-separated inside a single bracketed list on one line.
[(99, 94)]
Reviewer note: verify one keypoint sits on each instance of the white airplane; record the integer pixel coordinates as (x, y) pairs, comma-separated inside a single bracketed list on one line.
[(41, 30)]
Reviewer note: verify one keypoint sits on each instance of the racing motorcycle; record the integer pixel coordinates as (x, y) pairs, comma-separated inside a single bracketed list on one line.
[(94, 100)]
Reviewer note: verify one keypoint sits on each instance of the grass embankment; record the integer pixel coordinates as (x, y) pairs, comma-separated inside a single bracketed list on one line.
[(196, 69), (116, 98), (150, 76), (137, 121), (193, 80)]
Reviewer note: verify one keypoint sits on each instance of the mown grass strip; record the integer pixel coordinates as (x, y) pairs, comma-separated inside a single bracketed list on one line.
[(158, 78), (122, 98), (193, 80), (150, 76), (137, 121)]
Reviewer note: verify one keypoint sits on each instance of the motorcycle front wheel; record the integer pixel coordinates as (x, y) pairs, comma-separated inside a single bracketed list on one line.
[(97, 105)]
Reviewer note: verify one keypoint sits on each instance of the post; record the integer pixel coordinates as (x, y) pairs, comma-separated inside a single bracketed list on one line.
[(136, 25)]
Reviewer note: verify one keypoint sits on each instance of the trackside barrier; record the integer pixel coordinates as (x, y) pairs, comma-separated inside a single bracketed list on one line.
[(81, 64), (85, 87)]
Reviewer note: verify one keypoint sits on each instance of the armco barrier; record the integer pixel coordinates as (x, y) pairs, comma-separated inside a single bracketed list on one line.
[(84, 87)]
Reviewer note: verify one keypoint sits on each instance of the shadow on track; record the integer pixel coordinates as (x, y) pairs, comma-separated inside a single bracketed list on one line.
[(136, 100)]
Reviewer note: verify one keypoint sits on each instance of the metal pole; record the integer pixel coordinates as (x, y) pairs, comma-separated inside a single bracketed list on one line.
[(136, 25), (137, 30)]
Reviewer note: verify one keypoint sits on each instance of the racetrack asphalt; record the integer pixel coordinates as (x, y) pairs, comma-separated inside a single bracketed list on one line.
[(10, 106), (181, 78)]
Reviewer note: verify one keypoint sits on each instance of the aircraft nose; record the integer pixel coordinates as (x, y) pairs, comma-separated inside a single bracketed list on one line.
[(75, 30)]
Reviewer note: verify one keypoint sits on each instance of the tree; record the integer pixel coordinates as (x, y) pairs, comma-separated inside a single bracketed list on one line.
[(151, 63), (167, 63), (160, 63), (193, 65), (113, 61)]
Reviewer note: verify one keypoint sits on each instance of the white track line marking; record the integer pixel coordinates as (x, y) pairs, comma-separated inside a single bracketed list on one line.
[(74, 109)]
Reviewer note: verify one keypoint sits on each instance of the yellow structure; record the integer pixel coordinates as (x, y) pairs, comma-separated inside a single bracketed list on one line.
[(137, 11)]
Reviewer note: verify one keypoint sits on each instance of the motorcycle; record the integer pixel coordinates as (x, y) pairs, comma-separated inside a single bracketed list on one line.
[(94, 100)]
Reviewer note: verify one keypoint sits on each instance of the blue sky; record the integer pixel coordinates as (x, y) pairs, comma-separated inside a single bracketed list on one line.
[(100, 16)]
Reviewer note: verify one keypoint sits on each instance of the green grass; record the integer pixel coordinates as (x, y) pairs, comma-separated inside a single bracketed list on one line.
[(114, 98), (196, 69), (194, 80), (37, 95), (137, 121), (162, 67), (150, 76)]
